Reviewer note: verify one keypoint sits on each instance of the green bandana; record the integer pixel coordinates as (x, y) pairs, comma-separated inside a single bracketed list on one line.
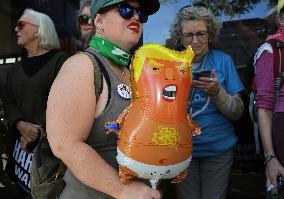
[(110, 50)]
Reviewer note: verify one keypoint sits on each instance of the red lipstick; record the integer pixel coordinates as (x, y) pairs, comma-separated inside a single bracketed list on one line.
[(134, 26)]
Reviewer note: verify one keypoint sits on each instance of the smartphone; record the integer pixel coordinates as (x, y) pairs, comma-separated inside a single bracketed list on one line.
[(202, 73)]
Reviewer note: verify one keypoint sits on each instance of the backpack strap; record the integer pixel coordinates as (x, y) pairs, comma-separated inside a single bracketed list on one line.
[(278, 53), (61, 171), (98, 78), (99, 71)]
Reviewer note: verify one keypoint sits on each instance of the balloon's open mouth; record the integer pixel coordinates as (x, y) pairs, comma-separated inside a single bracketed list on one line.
[(170, 92)]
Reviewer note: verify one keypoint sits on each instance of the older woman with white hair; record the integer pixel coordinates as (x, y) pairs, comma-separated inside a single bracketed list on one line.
[(28, 84)]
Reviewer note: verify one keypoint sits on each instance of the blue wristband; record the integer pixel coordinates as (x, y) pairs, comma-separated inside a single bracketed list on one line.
[(112, 126)]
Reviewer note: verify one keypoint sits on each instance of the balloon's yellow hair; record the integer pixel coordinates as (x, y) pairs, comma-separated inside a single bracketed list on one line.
[(157, 51), (280, 5)]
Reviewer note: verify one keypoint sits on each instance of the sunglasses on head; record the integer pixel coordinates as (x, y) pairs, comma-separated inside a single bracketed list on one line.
[(21, 24), (126, 11), (200, 5), (83, 20)]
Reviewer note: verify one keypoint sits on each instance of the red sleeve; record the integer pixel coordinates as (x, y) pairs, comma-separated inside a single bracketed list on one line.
[(264, 79)]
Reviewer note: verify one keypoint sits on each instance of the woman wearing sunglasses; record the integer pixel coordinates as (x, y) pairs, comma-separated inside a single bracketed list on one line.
[(28, 85), (85, 22), (76, 119), (215, 102)]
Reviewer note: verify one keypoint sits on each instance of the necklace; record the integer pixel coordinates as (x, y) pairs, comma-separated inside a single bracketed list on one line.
[(120, 72), (123, 72)]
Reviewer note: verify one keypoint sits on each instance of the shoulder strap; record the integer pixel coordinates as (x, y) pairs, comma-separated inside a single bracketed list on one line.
[(98, 75), (278, 53), (99, 70), (61, 171)]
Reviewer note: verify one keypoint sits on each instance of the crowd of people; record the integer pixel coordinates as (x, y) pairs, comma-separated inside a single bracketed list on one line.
[(57, 105)]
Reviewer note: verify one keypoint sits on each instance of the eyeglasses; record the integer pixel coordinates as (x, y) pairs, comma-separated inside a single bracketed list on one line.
[(126, 11), (199, 35), (83, 20), (21, 24)]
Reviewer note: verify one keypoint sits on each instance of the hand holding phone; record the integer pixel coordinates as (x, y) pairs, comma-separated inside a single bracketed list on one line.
[(209, 85), (201, 73)]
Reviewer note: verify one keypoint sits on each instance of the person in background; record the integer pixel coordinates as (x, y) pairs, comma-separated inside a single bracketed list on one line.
[(28, 85), (68, 42), (85, 22), (76, 119), (270, 115), (214, 103)]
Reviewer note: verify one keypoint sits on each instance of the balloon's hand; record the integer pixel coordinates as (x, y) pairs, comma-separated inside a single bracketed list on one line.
[(112, 127), (195, 129), (123, 115)]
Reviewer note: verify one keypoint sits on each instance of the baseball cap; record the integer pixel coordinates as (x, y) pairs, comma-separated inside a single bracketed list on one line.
[(149, 6)]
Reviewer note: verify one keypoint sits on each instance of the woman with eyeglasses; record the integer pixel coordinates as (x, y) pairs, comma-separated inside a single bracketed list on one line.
[(28, 84), (76, 118), (215, 102), (85, 22)]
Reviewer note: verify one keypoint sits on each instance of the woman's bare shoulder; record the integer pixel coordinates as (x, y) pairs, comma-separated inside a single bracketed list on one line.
[(76, 73), (78, 63)]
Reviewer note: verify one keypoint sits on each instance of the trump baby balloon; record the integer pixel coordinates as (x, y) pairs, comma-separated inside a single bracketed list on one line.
[(155, 131)]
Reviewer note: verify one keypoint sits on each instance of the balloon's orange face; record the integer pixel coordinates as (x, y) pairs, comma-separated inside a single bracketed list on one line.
[(164, 88)]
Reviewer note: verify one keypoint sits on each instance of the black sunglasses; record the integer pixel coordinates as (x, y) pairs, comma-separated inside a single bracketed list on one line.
[(83, 20), (21, 24), (126, 11)]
